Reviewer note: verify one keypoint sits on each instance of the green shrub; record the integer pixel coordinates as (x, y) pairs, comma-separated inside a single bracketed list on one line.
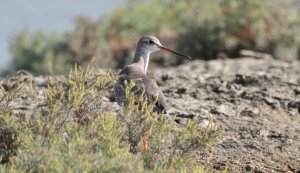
[(10, 91), (39, 53), (55, 53), (229, 26), (70, 133)]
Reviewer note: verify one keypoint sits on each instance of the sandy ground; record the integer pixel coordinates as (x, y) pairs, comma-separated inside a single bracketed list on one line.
[(254, 102)]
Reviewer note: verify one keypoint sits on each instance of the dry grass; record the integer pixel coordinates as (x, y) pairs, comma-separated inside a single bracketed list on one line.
[(70, 133)]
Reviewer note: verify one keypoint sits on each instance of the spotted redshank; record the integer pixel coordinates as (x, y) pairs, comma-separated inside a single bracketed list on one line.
[(137, 71), (143, 84)]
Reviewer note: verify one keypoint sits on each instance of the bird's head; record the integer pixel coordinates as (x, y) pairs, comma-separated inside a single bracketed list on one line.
[(152, 44)]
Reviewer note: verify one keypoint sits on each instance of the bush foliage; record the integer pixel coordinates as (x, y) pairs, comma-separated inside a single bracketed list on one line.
[(229, 26), (202, 28), (71, 133)]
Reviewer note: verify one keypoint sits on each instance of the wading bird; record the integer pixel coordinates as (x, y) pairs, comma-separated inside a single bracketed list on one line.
[(137, 71)]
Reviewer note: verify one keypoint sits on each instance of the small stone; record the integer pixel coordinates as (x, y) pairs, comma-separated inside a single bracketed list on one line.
[(247, 95), (246, 80), (205, 123), (297, 90), (293, 104), (181, 90), (251, 112), (272, 102), (201, 79), (166, 77), (274, 134), (248, 168), (220, 89)]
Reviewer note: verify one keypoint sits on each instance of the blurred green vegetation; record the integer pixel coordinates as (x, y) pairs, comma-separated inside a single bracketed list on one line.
[(203, 29)]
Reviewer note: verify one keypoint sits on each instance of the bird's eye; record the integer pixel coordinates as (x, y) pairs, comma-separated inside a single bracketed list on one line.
[(150, 42)]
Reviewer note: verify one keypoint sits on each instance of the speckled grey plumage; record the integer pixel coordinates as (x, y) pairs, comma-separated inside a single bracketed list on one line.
[(137, 72), (142, 83)]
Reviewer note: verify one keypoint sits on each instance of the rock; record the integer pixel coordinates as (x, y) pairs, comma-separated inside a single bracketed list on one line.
[(166, 77), (251, 112), (293, 104), (246, 80), (272, 102), (297, 90), (181, 90)]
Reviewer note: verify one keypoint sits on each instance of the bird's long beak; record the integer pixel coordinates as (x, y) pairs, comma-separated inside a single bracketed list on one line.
[(174, 52)]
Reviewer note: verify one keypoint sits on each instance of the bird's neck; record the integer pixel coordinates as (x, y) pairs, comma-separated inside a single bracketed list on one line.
[(141, 58)]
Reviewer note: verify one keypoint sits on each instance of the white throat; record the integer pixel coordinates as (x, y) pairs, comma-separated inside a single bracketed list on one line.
[(142, 58), (146, 62)]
